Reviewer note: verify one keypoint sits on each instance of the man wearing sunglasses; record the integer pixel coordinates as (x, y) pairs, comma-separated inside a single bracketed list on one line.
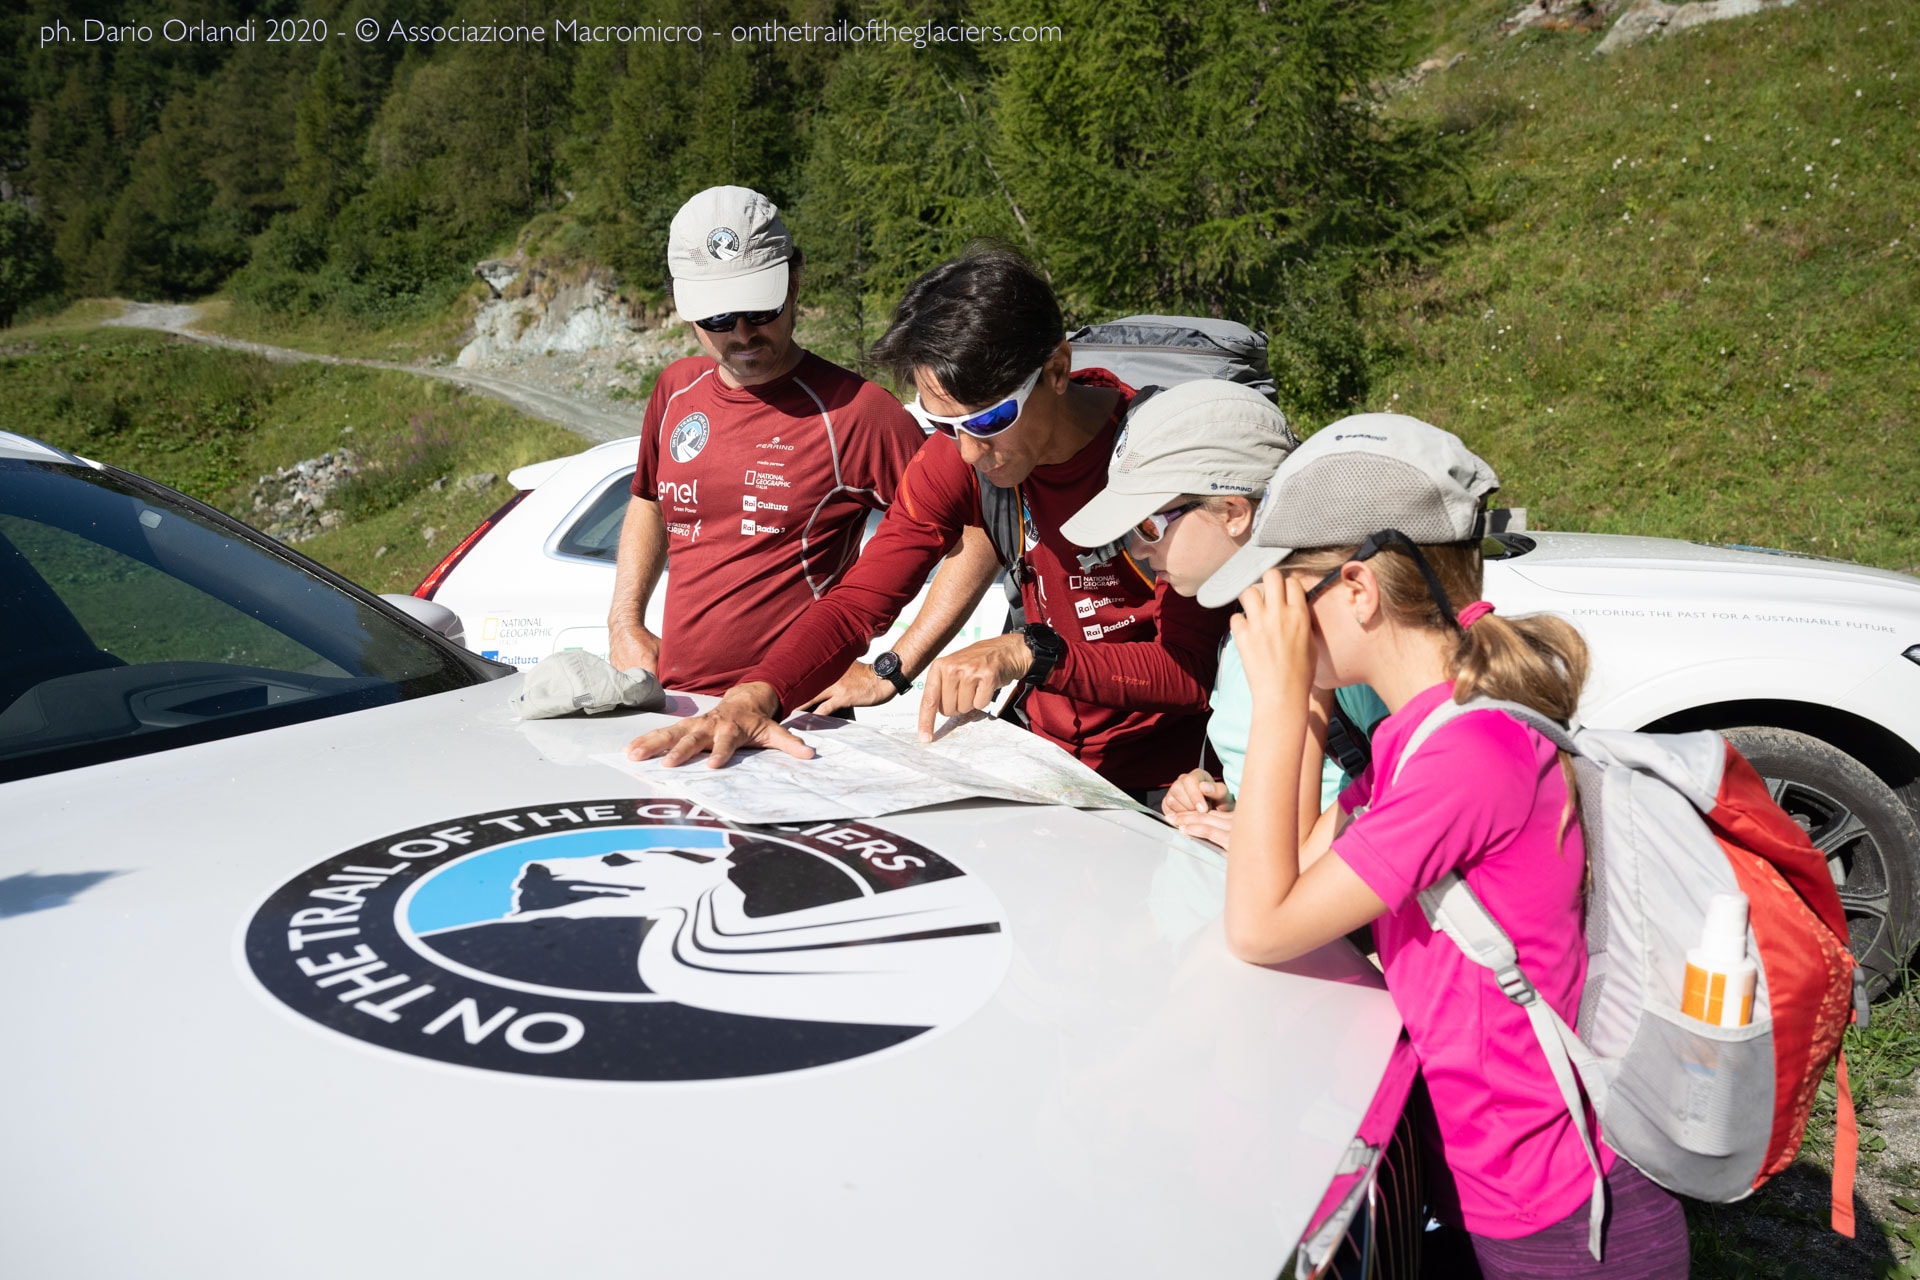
[(759, 463), (1113, 669)]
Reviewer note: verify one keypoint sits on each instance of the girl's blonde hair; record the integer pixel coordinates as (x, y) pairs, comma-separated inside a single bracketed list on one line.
[(1537, 659)]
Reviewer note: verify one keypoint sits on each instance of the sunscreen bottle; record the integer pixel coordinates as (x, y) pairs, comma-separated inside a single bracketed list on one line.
[(1720, 974)]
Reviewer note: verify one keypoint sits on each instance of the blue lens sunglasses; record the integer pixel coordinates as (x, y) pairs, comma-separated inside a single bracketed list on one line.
[(982, 425)]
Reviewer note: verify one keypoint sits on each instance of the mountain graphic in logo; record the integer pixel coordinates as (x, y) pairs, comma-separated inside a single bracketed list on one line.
[(633, 940), (723, 244), (689, 437)]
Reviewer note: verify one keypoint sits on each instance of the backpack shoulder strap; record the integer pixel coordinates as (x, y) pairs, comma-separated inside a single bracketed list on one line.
[(1547, 727), (1452, 908), (1000, 517)]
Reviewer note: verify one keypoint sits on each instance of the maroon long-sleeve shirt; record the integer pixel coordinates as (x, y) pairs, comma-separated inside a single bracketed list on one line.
[(1130, 696)]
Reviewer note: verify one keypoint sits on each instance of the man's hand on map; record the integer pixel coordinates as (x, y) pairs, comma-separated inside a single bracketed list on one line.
[(859, 687), (966, 681), (1197, 804), (743, 718)]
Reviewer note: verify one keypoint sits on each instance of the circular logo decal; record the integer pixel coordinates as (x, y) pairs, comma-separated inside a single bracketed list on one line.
[(723, 244), (689, 437), (632, 940)]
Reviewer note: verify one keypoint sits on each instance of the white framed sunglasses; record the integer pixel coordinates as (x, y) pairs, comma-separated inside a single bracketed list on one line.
[(982, 424)]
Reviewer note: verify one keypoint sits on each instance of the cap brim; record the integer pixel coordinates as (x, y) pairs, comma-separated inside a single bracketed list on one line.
[(1110, 515), (1239, 573), (762, 291)]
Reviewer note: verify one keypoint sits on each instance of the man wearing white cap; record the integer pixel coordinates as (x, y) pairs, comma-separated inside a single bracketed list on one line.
[(1110, 667), (759, 463)]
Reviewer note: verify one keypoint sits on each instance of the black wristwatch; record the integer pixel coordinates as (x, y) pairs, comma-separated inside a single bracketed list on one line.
[(1047, 648), (887, 667)]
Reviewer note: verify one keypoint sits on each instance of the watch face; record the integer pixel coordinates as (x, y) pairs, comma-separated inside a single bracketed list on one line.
[(886, 666), (1046, 642)]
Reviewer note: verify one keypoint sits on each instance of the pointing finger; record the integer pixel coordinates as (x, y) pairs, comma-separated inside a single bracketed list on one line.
[(929, 706)]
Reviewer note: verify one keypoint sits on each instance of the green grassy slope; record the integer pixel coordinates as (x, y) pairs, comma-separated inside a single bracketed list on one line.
[(209, 422), (1693, 308)]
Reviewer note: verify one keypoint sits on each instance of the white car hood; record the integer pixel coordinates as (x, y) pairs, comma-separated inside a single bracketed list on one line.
[(1129, 1100), (1610, 564)]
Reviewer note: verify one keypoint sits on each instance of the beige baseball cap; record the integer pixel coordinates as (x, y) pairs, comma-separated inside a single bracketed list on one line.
[(1353, 479), (577, 681), (728, 250), (1203, 437)]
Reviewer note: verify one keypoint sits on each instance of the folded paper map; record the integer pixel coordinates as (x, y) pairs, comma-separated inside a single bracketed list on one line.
[(861, 772)]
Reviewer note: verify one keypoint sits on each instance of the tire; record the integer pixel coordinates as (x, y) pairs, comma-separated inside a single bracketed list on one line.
[(1868, 834)]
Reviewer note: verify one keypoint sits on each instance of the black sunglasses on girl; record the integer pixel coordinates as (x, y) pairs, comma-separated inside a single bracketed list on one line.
[(1376, 543)]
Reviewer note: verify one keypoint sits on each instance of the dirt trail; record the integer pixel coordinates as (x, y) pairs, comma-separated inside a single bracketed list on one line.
[(586, 421)]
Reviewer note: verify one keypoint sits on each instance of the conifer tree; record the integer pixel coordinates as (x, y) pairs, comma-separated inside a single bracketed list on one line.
[(326, 142), (1217, 157), (27, 266)]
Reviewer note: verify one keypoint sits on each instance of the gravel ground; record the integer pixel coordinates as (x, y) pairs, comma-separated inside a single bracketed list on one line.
[(599, 395)]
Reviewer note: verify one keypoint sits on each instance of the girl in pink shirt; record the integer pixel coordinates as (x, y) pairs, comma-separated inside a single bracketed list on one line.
[(1365, 567)]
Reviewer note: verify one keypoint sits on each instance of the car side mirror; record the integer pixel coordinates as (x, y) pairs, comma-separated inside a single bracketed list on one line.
[(434, 617)]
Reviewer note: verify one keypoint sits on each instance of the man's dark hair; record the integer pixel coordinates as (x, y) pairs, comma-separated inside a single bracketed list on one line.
[(981, 324)]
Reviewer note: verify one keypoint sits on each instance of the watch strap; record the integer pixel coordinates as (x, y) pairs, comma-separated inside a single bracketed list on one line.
[(1047, 648), (891, 672)]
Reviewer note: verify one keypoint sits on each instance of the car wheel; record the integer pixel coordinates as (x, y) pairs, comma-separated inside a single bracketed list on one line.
[(1869, 837)]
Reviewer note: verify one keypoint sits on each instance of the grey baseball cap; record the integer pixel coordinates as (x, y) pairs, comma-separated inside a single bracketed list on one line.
[(728, 251), (1202, 437), (1352, 479)]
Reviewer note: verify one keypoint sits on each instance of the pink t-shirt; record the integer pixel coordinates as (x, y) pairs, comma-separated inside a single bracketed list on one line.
[(1484, 796)]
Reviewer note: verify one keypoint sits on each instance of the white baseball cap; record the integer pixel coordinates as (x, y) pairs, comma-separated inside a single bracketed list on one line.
[(728, 251), (1203, 437), (1353, 479)]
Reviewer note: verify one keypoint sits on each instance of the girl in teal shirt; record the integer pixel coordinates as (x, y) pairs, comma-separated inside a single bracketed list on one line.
[(1183, 490)]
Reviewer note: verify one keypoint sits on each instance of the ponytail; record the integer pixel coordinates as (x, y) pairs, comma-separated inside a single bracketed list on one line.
[(1537, 660)]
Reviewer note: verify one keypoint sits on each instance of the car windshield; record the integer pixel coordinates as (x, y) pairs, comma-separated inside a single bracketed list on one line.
[(136, 622)]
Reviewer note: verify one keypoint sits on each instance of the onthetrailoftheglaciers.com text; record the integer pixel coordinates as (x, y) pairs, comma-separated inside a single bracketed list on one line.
[(876, 31)]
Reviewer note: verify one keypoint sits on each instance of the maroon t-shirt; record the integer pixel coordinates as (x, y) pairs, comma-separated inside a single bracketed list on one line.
[(1130, 696), (765, 493)]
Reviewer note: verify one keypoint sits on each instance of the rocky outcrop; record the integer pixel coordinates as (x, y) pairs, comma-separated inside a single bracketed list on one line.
[(291, 503), (1651, 17), (499, 274), (1561, 15), (574, 317)]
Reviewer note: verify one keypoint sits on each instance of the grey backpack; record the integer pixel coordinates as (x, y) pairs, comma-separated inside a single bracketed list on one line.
[(1164, 351), (1670, 820)]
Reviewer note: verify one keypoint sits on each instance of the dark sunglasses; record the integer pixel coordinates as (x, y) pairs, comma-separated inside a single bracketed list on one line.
[(1372, 546), (724, 322)]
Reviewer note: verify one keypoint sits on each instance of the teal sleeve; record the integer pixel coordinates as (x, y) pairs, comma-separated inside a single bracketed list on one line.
[(1232, 723), (1232, 720)]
